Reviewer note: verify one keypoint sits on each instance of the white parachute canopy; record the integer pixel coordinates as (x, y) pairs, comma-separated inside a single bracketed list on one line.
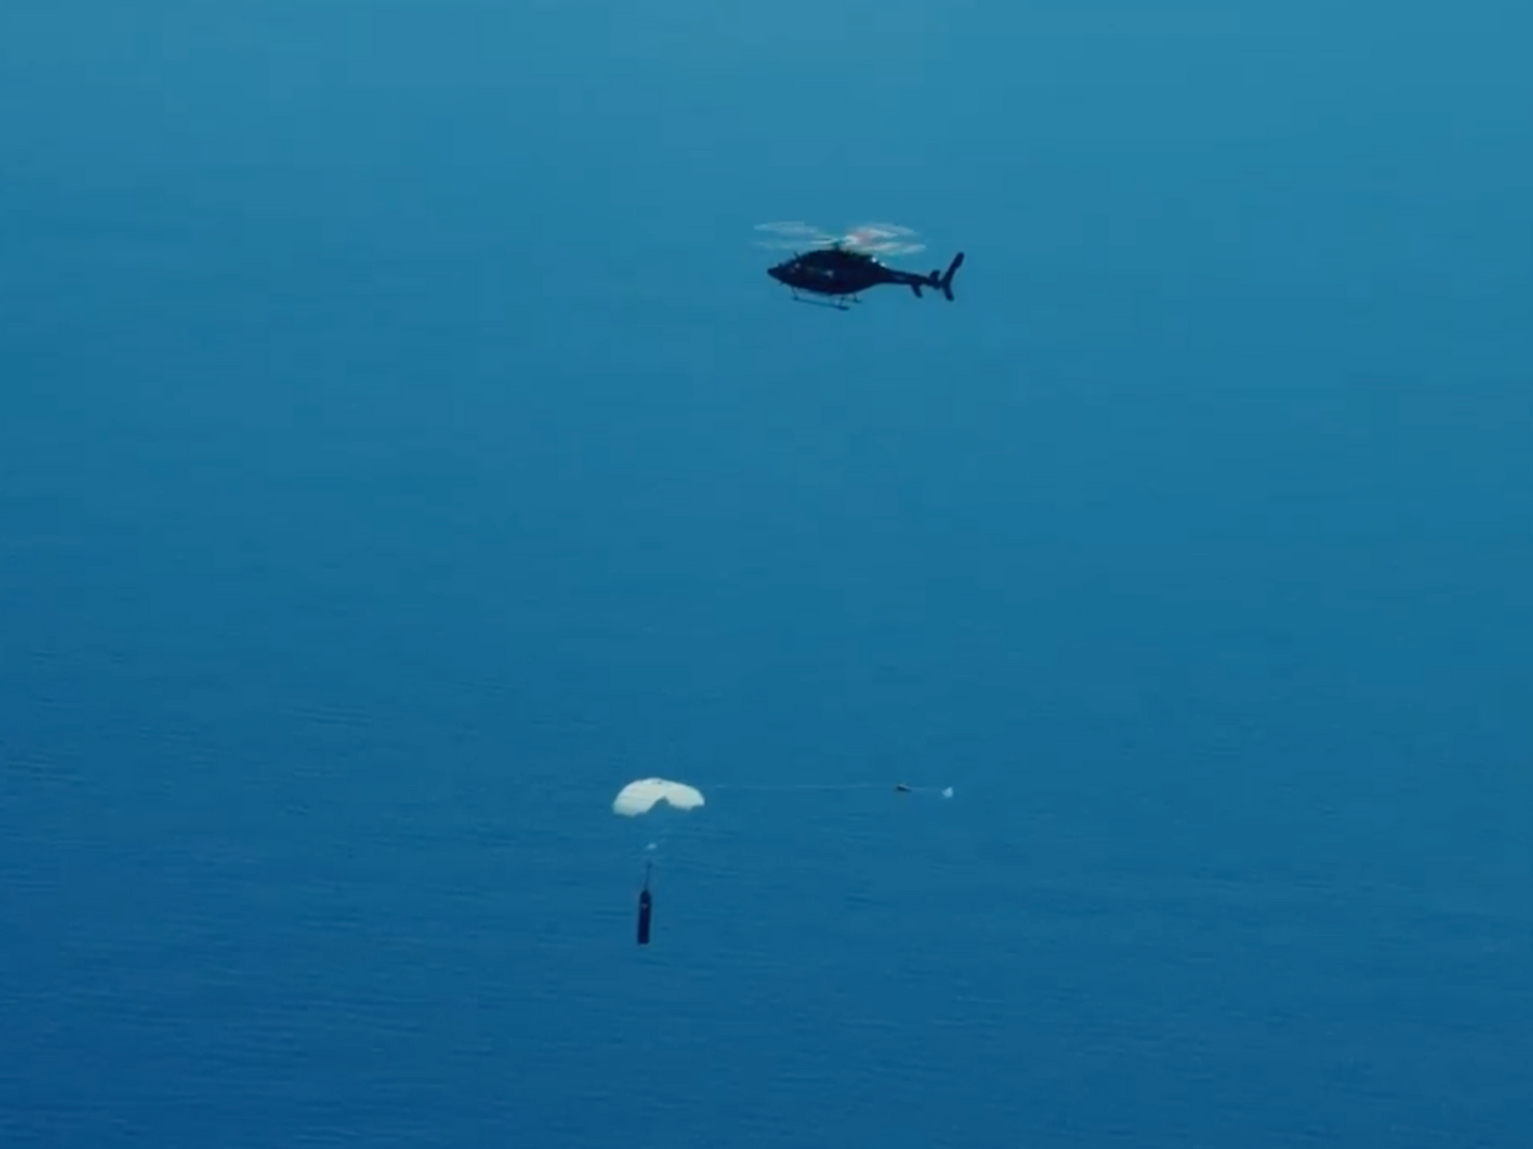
[(640, 797)]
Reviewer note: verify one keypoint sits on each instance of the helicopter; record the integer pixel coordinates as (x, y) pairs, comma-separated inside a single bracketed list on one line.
[(839, 268)]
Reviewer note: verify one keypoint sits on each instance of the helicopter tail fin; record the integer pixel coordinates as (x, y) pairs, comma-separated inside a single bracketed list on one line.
[(946, 281)]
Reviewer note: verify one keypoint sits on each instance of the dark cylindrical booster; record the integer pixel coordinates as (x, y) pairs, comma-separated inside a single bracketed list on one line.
[(645, 905)]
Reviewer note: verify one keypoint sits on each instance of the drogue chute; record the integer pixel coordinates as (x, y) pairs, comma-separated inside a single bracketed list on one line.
[(640, 797)]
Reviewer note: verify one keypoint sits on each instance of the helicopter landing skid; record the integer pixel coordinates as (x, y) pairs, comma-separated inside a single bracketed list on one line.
[(843, 303)]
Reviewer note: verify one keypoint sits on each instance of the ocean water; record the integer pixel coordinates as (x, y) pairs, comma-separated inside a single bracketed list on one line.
[(402, 447)]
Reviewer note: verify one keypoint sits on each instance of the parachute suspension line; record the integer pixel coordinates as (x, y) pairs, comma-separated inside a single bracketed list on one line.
[(787, 787), (655, 844), (828, 787)]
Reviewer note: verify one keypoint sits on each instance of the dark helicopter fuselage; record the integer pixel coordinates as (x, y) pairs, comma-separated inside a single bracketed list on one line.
[(837, 272)]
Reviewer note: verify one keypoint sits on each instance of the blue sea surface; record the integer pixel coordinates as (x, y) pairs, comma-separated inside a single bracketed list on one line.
[(402, 448)]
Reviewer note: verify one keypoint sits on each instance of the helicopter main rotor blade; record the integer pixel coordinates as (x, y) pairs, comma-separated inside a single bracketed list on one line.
[(883, 239), (867, 238), (794, 235), (797, 244), (791, 227)]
